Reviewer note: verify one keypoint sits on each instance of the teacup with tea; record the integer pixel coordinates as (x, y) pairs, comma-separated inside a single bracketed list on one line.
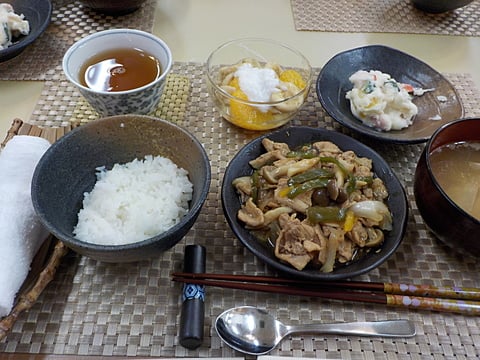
[(119, 71)]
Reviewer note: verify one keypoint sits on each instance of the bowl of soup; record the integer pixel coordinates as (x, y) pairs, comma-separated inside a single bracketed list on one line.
[(447, 185)]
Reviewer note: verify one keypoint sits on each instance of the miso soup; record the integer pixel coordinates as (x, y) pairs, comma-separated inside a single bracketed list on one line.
[(456, 168)]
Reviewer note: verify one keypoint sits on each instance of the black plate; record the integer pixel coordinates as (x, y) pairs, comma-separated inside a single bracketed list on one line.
[(333, 84), (38, 13), (296, 136)]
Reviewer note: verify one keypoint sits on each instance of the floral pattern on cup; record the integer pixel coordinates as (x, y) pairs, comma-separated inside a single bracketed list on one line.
[(142, 102)]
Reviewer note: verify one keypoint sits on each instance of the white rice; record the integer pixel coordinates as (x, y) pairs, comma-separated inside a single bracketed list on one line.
[(134, 201)]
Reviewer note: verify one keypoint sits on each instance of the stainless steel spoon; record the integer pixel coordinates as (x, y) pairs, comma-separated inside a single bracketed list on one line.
[(254, 331)]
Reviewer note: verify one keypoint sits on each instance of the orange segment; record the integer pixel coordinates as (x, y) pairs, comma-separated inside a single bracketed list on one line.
[(234, 83), (293, 77), (247, 116)]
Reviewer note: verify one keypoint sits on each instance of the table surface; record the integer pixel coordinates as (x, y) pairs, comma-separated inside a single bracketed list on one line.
[(184, 26), (104, 310)]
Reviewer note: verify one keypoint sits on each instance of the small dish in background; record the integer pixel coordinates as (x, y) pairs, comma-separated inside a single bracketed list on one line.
[(435, 108), (38, 14), (439, 6), (113, 7)]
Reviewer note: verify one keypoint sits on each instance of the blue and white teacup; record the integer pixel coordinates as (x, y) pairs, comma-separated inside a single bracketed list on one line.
[(141, 100)]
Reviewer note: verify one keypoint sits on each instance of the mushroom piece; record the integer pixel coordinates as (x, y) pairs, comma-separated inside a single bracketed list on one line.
[(327, 147), (251, 215), (266, 159), (243, 184), (301, 166), (270, 145), (332, 189), (272, 215), (273, 173), (375, 237)]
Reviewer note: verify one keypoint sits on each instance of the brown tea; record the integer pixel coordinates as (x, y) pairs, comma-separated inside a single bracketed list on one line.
[(119, 70)]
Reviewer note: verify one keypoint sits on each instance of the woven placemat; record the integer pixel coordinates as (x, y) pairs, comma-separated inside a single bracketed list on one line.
[(94, 308), (387, 16), (70, 22)]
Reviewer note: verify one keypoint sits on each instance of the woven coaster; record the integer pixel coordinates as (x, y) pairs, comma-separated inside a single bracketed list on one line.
[(171, 106), (94, 308), (61, 104), (387, 16), (70, 22)]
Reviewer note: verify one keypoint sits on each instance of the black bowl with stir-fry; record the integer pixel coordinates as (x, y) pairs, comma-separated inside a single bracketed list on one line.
[(314, 203)]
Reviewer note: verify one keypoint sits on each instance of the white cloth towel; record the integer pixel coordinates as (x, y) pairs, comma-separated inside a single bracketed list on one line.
[(21, 234)]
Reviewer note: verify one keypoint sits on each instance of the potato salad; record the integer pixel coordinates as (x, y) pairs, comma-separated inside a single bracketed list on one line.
[(12, 25), (381, 102)]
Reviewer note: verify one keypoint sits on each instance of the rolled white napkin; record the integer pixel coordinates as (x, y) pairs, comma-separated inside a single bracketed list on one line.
[(21, 234)]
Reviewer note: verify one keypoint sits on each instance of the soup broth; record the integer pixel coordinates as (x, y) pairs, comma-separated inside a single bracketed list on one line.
[(119, 70), (456, 167)]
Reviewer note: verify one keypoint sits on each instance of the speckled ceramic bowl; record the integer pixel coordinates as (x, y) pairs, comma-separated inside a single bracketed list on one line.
[(67, 171)]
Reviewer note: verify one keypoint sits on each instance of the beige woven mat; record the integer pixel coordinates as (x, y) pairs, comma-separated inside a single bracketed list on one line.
[(61, 104), (94, 308), (70, 22), (388, 16)]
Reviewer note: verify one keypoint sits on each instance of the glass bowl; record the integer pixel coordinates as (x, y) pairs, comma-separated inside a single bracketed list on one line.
[(258, 84)]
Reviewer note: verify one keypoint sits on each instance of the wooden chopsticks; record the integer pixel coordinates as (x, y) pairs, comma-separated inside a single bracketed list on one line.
[(425, 297)]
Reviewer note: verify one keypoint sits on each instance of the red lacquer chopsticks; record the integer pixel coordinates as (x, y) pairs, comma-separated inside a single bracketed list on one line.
[(426, 297)]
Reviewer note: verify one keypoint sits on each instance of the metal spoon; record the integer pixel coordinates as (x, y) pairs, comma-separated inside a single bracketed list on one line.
[(254, 331)]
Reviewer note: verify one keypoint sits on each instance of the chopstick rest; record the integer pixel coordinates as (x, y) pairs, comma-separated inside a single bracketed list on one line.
[(21, 234), (193, 306)]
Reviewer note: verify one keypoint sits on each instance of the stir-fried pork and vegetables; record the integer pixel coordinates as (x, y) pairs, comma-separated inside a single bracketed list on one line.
[(315, 206)]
